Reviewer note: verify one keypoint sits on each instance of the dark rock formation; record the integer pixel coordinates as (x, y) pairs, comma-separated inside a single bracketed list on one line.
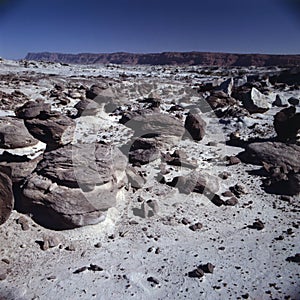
[(74, 185), (6, 194), (287, 123), (253, 100), (195, 126), (14, 134), (32, 109), (54, 129)]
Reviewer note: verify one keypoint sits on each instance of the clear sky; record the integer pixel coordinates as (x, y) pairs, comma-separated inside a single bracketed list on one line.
[(71, 26)]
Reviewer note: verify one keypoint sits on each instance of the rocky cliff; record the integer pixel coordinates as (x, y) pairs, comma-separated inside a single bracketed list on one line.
[(170, 58)]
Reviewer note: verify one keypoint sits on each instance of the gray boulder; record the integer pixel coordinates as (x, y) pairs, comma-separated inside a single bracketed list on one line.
[(54, 129), (14, 134), (253, 100), (75, 185), (32, 109), (87, 107)]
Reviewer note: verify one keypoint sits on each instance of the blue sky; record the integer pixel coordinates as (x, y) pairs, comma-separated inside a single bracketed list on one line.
[(142, 26)]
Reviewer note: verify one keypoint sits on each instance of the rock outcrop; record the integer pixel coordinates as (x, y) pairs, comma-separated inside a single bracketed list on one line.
[(170, 58), (74, 185)]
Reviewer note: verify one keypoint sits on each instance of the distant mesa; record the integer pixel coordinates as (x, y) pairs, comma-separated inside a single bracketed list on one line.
[(170, 58)]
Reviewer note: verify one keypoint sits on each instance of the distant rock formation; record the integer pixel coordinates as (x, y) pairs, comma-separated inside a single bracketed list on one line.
[(170, 58)]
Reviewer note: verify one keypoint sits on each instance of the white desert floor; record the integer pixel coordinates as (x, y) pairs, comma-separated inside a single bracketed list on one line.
[(249, 263)]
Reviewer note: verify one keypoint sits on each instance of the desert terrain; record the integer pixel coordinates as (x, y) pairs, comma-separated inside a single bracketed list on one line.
[(149, 182)]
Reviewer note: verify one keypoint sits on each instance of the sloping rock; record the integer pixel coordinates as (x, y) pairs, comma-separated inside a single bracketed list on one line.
[(32, 109), (20, 170), (144, 150), (135, 179), (87, 108), (226, 86), (253, 100), (220, 99), (195, 126), (95, 90), (281, 165), (287, 123), (293, 101), (196, 182), (14, 134), (156, 124), (73, 186), (54, 129), (6, 194), (273, 153), (279, 102)]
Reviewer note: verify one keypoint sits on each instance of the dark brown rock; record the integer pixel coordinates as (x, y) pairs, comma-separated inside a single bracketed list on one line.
[(74, 185), (6, 194), (287, 123), (54, 129), (195, 126), (95, 90), (14, 134), (32, 109), (87, 107), (231, 202)]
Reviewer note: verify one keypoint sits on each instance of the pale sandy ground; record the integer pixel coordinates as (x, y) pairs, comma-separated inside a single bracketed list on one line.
[(247, 261)]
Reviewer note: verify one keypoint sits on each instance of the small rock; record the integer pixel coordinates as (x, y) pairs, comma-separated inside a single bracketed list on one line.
[(23, 222), (227, 194), (293, 101), (80, 270), (3, 275), (153, 280), (295, 258), (238, 190), (258, 225), (231, 202), (98, 245), (184, 221), (70, 248), (224, 175), (197, 273), (207, 268), (196, 226), (233, 160), (50, 242), (95, 268)]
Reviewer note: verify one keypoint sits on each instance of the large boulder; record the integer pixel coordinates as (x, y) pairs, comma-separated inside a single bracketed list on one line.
[(156, 124), (87, 107), (20, 170), (75, 185), (219, 99), (195, 126), (6, 194), (280, 163), (143, 150), (253, 100), (274, 153), (14, 134), (287, 123), (95, 90), (54, 129), (197, 182), (32, 109)]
